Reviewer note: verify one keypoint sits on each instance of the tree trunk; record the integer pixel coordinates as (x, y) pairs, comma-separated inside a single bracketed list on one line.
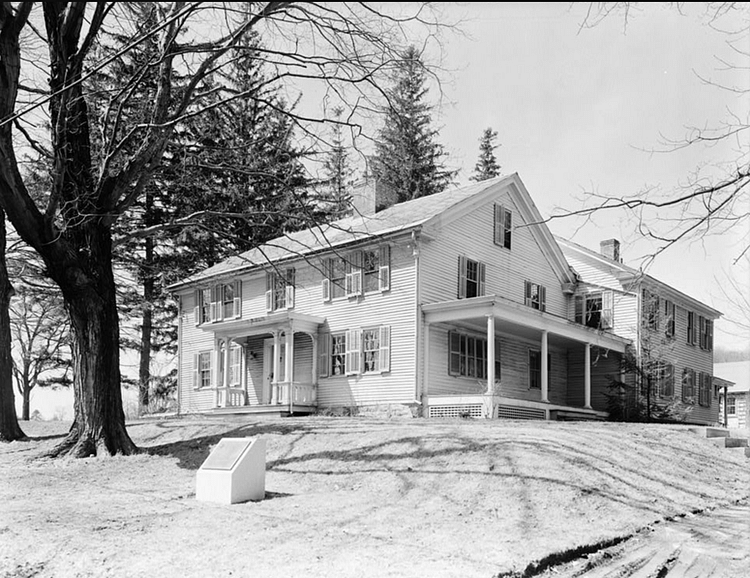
[(9, 428), (89, 293), (144, 370), (26, 397)]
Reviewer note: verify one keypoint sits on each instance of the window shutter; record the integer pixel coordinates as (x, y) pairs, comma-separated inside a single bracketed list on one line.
[(497, 231), (213, 308), (354, 275), (527, 294), (353, 351), (237, 307), (324, 341), (269, 301), (608, 310), (480, 290), (542, 298), (384, 275), (710, 336), (385, 348), (670, 379), (461, 277), (197, 308), (196, 372), (579, 309), (289, 296)]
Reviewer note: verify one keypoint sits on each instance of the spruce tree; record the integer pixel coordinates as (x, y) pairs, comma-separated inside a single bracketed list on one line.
[(486, 167), (408, 162), (338, 172)]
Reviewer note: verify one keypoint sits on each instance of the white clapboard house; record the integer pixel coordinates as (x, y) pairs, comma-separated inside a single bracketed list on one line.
[(456, 304)]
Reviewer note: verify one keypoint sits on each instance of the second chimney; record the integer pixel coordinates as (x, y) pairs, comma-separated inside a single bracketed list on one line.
[(610, 249)]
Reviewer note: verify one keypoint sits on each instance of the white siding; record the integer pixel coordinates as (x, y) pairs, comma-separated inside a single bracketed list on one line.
[(506, 269)]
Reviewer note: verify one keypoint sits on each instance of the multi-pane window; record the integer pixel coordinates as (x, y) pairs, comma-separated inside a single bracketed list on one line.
[(690, 328), (535, 296), (357, 273), (338, 354), (217, 303), (235, 364), (662, 378), (535, 369), (355, 351), (669, 318), (595, 309), (704, 389), (732, 406), (280, 290), (688, 385), (650, 307), (706, 333), (467, 356), (202, 369), (471, 276), (503, 226)]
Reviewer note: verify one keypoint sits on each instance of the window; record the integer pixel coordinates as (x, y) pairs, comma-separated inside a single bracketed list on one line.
[(217, 303), (688, 385), (359, 272), (662, 378), (235, 364), (704, 391), (503, 223), (650, 310), (595, 310), (467, 356), (280, 290), (535, 369), (690, 328), (535, 296), (731, 406), (706, 333), (669, 318), (470, 278), (355, 351), (202, 375)]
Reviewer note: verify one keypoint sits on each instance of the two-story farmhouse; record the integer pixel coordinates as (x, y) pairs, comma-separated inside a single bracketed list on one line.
[(461, 303)]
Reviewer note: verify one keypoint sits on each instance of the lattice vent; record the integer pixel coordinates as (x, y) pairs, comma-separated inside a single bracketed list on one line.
[(456, 411), (514, 412)]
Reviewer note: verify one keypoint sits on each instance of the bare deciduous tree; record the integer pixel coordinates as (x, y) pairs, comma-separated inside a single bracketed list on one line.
[(348, 47)]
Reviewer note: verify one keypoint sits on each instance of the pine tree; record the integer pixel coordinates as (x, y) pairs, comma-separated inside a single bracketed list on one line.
[(486, 167), (408, 163), (338, 172)]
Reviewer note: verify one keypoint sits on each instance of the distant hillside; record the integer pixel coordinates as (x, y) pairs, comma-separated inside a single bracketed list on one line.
[(722, 355)]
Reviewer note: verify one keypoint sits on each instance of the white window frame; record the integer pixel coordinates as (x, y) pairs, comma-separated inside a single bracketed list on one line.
[(688, 385), (280, 290), (502, 226), (203, 372), (731, 405), (463, 277), (535, 296), (670, 324), (469, 351)]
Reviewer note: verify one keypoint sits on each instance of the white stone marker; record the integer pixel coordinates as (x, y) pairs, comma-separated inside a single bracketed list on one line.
[(234, 471)]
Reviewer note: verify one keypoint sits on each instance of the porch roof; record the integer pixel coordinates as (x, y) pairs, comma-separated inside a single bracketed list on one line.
[(278, 320), (519, 318)]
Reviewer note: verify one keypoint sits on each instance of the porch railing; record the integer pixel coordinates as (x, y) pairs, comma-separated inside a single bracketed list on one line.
[(296, 393), (230, 397)]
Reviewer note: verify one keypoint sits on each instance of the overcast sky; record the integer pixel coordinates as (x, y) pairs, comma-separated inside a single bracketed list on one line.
[(579, 110)]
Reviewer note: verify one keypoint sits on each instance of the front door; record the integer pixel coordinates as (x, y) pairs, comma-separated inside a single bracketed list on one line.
[(268, 367)]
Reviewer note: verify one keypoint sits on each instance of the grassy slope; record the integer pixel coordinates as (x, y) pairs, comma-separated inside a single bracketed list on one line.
[(354, 497)]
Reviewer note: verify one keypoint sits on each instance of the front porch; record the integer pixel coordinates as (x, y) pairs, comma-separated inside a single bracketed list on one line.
[(266, 365), (493, 358)]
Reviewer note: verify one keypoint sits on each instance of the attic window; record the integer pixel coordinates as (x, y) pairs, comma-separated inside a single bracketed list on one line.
[(502, 226)]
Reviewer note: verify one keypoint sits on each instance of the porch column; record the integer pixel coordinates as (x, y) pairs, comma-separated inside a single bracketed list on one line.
[(587, 376), (726, 401), (314, 377), (426, 371), (289, 371), (225, 377), (490, 354), (545, 368), (276, 368)]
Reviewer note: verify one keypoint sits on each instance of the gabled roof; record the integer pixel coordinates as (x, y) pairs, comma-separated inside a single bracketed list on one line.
[(616, 275), (398, 218)]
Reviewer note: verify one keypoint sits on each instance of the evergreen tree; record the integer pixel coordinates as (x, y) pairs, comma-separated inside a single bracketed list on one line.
[(338, 172), (408, 162), (486, 167)]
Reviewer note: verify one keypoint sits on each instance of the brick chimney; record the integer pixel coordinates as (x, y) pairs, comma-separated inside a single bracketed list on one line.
[(610, 249)]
